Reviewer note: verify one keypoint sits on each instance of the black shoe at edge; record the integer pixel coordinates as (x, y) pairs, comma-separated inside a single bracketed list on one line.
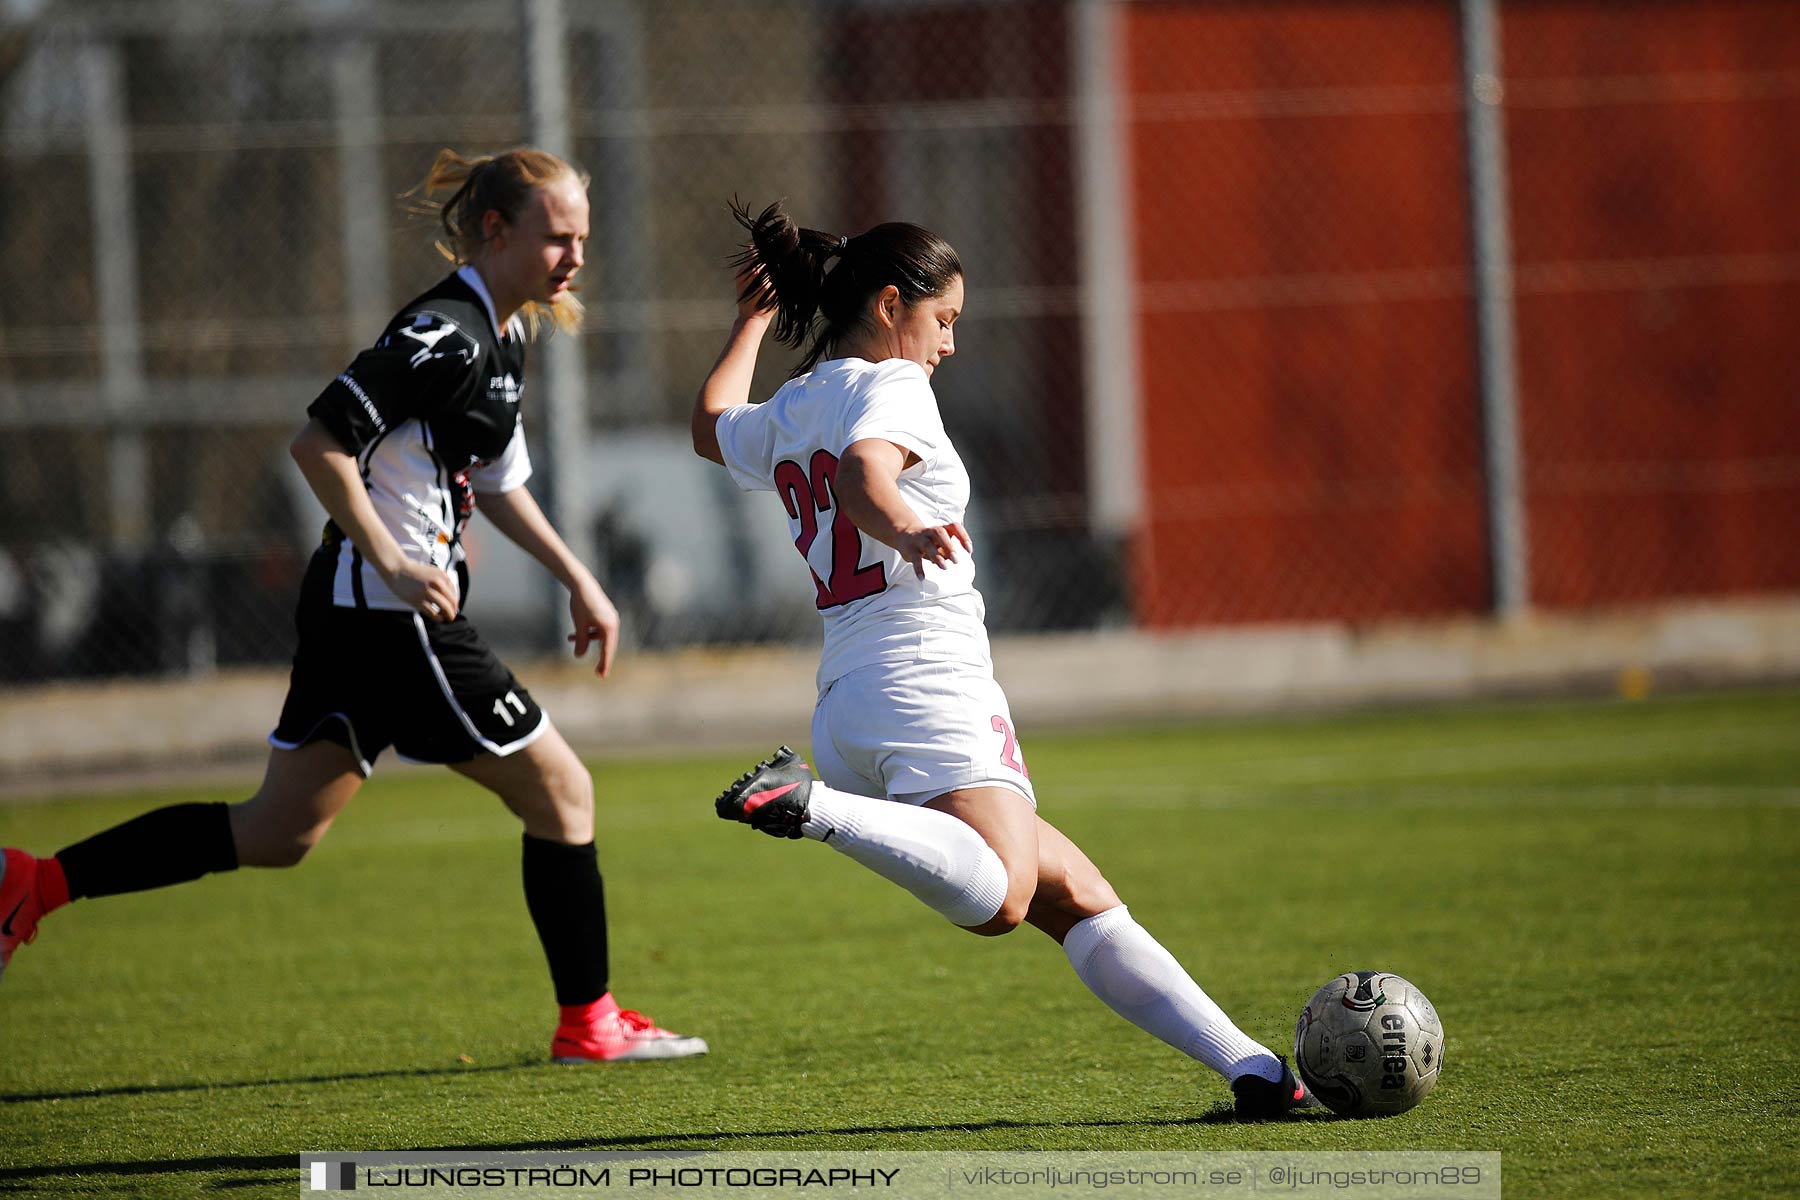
[(1256, 1099)]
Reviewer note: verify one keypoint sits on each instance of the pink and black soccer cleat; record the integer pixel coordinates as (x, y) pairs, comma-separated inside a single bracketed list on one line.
[(608, 1033), (20, 903), (771, 796), (1257, 1099)]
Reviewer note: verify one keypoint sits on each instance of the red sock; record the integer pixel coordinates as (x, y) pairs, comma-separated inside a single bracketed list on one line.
[(52, 886), (586, 1016)]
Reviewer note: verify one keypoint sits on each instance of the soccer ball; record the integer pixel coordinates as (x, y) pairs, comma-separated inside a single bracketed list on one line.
[(1369, 1044)]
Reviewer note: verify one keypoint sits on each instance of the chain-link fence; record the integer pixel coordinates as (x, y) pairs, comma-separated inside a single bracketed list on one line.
[(1221, 360)]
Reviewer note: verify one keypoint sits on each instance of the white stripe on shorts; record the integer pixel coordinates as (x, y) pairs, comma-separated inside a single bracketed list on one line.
[(437, 669)]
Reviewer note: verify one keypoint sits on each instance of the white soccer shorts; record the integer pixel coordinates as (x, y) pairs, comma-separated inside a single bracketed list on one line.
[(911, 731)]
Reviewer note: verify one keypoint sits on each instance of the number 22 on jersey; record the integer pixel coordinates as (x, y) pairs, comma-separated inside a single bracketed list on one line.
[(809, 492)]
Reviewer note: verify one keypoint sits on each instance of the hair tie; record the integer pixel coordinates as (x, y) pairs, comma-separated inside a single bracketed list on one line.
[(843, 244)]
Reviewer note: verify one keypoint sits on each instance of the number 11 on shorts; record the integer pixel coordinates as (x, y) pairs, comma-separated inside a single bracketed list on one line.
[(1009, 753), (510, 698)]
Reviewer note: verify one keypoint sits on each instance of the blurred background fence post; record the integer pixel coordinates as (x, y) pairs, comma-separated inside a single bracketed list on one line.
[(365, 207), (115, 257), (562, 367), (1495, 343), (1109, 352)]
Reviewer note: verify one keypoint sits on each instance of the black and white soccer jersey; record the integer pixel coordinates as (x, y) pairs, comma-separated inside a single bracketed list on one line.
[(431, 412)]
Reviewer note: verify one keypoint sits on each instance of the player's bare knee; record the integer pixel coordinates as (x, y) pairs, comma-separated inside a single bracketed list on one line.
[(572, 796), (292, 851), (276, 848), (559, 806), (1081, 890), (1021, 886), (258, 839), (571, 827), (1091, 896), (575, 789), (1011, 915)]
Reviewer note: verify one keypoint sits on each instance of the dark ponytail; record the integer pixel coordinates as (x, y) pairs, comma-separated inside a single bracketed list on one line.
[(788, 265)]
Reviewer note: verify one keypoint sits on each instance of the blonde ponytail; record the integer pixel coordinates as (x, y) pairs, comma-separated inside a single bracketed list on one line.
[(497, 182)]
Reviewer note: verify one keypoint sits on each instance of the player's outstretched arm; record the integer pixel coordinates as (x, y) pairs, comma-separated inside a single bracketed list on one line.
[(868, 492), (332, 474), (516, 514), (728, 383)]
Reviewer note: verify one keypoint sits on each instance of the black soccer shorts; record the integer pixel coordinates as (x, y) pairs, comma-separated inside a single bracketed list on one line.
[(368, 679)]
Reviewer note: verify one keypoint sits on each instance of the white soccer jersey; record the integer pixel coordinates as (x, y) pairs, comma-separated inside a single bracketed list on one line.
[(874, 607)]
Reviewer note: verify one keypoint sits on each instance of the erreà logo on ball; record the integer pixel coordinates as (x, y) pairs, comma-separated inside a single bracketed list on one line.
[(1393, 1052)]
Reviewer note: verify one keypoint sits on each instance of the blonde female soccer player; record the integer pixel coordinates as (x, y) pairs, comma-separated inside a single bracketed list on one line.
[(920, 775), (419, 431)]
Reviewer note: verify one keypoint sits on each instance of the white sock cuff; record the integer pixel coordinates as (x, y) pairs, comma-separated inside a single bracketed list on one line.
[(1087, 936), (825, 815), (980, 900)]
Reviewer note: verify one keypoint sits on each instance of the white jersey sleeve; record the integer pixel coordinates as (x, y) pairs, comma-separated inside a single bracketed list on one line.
[(507, 472), (898, 406), (747, 436)]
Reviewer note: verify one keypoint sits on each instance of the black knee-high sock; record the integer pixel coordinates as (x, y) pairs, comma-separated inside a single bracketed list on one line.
[(568, 906), (169, 845)]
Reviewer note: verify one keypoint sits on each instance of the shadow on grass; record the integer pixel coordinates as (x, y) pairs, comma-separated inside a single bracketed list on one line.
[(659, 1141), (155, 1089)]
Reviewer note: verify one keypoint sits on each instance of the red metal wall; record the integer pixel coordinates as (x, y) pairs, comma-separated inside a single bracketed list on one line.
[(1305, 332), (1655, 153), (1311, 429)]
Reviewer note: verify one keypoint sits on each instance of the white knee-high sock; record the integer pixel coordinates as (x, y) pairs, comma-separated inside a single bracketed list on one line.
[(1126, 967), (936, 857)]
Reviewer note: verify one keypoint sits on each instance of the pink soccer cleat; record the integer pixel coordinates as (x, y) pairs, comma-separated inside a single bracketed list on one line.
[(604, 1032), (21, 902)]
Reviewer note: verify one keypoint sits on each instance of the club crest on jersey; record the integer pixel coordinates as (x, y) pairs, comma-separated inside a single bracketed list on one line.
[(433, 334), (506, 386)]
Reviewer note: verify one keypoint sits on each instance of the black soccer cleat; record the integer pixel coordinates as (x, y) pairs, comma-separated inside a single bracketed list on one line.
[(1256, 1099), (771, 796)]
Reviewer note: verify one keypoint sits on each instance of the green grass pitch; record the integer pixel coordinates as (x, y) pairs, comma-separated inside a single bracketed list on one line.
[(1599, 897)]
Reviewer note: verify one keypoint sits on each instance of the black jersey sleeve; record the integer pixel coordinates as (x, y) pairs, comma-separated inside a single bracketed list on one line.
[(425, 365)]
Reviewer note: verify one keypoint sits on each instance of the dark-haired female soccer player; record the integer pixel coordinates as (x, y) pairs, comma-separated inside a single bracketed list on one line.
[(920, 775), (418, 431)]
